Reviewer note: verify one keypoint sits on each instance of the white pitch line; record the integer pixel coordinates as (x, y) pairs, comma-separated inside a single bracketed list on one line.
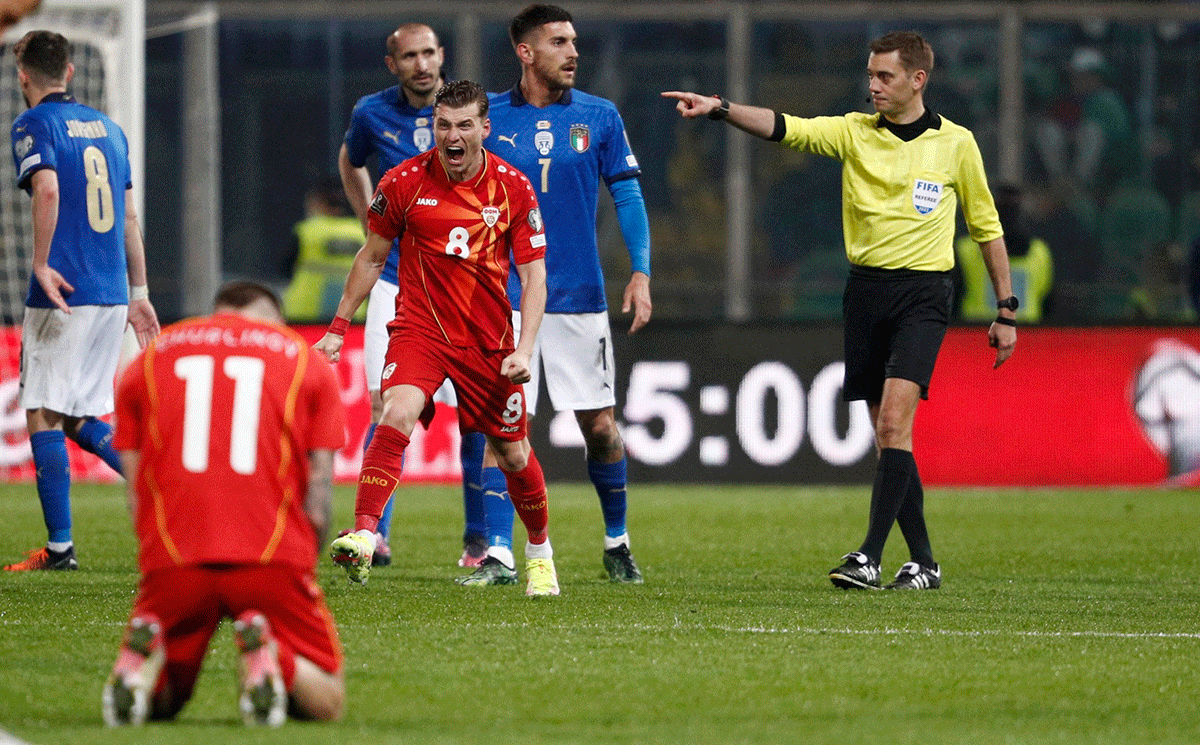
[(798, 630), (809, 631), (976, 633)]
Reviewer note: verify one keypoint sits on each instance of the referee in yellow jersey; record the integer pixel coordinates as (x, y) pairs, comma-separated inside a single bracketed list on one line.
[(904, 170)]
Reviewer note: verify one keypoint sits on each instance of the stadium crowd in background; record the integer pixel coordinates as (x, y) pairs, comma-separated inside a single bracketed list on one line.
[(88, 279), (905, 169), (1085, 140), (227, 426)]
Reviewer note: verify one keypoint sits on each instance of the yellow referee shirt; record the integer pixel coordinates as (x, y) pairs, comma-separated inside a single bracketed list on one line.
[(898, 198)]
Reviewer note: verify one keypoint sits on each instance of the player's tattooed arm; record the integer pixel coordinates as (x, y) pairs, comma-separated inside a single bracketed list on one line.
[(318, 503)]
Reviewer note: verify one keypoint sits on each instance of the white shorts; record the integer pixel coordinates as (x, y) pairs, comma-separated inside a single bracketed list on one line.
[(381, 309), (68, 362), (576, 351)]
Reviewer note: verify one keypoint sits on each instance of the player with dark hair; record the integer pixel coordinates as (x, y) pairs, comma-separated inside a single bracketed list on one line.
[(904, 171), (458, 212), (394, 124), (227, 426), (566, 141), (88, 279)]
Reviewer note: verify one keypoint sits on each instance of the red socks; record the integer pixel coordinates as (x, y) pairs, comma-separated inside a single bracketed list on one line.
[(527, 490), (381, 467)]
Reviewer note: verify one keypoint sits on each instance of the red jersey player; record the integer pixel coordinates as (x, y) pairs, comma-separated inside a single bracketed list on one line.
[(226, 427), (458, 210)]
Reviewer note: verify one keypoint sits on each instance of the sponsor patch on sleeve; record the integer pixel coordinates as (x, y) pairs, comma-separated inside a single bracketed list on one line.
[(538, 241), (535, 220), (379, 204), (30, 162)]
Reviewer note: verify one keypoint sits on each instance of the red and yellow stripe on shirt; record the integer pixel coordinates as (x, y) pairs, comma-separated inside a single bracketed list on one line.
[(224, 411)]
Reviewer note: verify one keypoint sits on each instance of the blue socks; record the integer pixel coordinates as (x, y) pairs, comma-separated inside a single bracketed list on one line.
[(385, 518), (498, 508), (95, 436), (471, 456), (610, 480), (53, 482)]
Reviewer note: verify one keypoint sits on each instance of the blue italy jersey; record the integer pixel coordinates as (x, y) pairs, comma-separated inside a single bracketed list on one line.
[(90, 155), (564, 149), (385, 124)]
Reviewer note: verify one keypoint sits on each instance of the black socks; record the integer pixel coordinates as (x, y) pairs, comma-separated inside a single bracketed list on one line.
[(898, 497)]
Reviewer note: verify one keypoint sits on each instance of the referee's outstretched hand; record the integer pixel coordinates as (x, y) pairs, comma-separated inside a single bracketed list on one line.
[(1004, 339), (692, 105)]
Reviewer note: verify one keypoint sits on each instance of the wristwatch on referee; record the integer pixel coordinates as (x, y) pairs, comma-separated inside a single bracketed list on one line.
[(1011, 303), (721, 111)]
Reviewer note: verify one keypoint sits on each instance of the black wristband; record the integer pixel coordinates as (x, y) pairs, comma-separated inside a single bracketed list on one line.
[(1006, 321), (721, 111), (780, 128)]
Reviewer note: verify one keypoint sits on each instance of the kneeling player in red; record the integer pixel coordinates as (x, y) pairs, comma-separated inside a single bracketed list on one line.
[(227, 426), (457, 211)]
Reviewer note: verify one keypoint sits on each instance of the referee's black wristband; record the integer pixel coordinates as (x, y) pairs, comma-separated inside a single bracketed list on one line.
[(721, 111), (780, 128), (1006, 321)]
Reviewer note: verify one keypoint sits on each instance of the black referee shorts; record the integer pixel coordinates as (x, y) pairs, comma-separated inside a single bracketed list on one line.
[(895, 320)]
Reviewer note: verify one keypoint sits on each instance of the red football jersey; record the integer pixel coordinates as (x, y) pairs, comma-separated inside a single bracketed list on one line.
[(224, 411), (454, 246)]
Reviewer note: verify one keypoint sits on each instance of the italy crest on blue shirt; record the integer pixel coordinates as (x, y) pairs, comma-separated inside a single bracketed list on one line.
[(580, 138), (422, 135), (926, 196)]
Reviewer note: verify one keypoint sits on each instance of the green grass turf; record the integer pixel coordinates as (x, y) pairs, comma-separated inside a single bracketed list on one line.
[(1066, 617)]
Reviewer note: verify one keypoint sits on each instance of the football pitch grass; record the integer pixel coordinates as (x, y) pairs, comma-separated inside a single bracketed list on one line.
[(1066, 617)]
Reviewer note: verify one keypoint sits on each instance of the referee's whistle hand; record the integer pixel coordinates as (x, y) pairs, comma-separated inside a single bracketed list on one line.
[(1004, 339)]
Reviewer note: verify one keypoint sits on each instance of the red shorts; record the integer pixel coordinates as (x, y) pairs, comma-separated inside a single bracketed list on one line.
[(488, 402), (190, 601)]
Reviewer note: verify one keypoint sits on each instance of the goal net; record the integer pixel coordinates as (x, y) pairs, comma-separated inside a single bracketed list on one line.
[(108, 55)]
